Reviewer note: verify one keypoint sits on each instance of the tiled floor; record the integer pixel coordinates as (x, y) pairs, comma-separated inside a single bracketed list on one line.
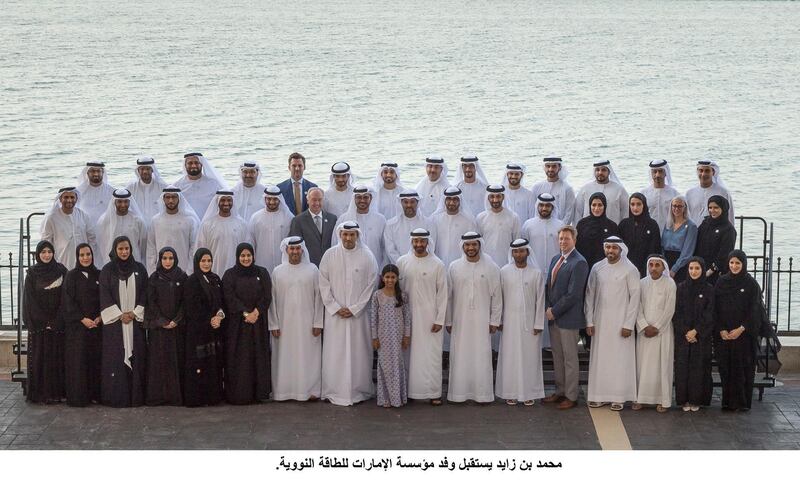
[(773, 423)]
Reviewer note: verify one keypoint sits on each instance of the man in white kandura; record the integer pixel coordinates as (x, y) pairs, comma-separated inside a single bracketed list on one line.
[(146, 190), (542, 233), (175, 226), (395, 237), (372, 223), (199, 183), (424, 281), (269, 226), (448, 223), (660, 192), (222, 230), (473, 315), (122, 218), (340, 189), (67, 226), (472, 182), (519, 362), (611, 307), (249, 192), (655, 343), (606, 182), (95, 193), (348, 275), (387, 187), (498, 224), (711, 184), (557, 185), (295, 320), (432, 186), (518, 198)]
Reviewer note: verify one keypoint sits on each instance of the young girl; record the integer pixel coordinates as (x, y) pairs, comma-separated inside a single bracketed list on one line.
[(390, 324)]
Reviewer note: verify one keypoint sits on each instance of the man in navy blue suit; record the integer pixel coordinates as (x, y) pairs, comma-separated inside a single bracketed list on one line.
[(564, 295), (295, 188)]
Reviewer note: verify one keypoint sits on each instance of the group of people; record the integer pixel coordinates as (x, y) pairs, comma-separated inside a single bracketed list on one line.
[(470, 268)]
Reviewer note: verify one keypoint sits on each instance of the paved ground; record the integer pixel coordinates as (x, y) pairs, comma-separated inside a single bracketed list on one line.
[(773, 423)]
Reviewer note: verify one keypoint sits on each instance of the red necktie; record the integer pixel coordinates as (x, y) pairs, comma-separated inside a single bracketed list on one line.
[(555, 271)]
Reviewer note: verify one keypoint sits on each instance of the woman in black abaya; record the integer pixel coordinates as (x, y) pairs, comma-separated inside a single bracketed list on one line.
[(641, 233), (594, 229), (693, 323), (123, 296), (739, 316), (163, 320), (716, 238), (42, 318), (80, 307), (204, 325), (247, 289)]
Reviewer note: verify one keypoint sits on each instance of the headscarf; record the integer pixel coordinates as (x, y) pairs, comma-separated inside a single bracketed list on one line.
[(480, 177), (168, 274), (83, 178), (425, 184), (338, 169), (123, 269), (46, 273), (208, 169), (563, 174), (645, 215), (207, 280), (184, 208), (715, 167), (612, 176), (240, 269), (494, 189), (291, 241), (723, 217), (595, 227), (514, 167), (696, 285), (547, 198), (522, 243), (663, 261), (89, 270), (661, 164), (275, 192), (729, 282)]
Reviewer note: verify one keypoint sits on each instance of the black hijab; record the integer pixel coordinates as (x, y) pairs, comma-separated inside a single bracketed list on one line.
[(729, 282), (91, 269), (171, 274), (696, 285), (207, 280), (645, 215), (723, 218), (46, 273), (238, 268), (123, 269), (596, 227)]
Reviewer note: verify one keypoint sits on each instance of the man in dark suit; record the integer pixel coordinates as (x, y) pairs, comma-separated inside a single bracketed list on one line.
[(565, 292), (315, 226), (296, 188)]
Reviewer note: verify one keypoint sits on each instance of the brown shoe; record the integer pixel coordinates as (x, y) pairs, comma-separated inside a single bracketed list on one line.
[(554, 398), (566, 404)]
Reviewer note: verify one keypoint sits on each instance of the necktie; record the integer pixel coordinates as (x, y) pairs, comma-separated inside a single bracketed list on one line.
[(298, 203), (318, 222), (555, 271)]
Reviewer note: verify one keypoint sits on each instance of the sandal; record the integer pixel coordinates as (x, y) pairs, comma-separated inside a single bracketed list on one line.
[(436, 402), (695, 408), (528, 403), (636, 406), (661, 409), (596, 404), (617, 407), (511, 402), (687, 407)]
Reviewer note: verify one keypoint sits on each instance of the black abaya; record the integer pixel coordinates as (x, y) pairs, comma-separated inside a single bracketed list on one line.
[(204, 344), (83, 351), (165, 303), (694, 310), (41, 316), (247, 371), (716, 238), (642, 236), (122, 386), (593, 231), (738, 303)]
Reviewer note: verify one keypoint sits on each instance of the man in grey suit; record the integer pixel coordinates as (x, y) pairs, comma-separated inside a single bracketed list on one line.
[(565, 292), (314, 225)]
